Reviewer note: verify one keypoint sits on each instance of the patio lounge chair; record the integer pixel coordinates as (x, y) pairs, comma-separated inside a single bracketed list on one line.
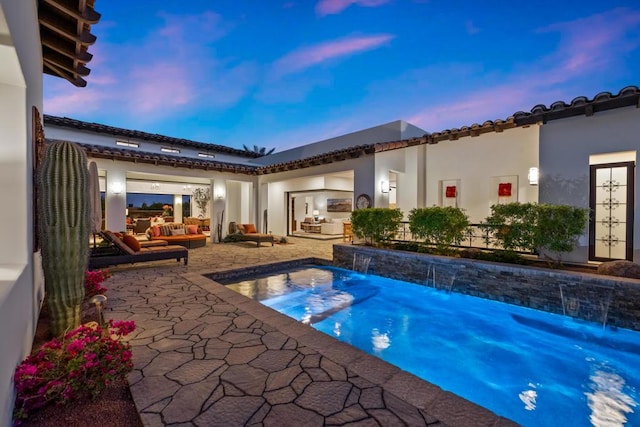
[(248, 233), (128, 251)]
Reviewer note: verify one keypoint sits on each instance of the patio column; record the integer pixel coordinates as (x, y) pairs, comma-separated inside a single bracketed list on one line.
[(116, 199), (177, 208)]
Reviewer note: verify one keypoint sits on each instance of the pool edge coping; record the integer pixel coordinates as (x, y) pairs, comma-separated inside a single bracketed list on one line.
[(447, 407)]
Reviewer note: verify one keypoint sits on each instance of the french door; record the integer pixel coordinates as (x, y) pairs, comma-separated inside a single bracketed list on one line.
[(611, 219)]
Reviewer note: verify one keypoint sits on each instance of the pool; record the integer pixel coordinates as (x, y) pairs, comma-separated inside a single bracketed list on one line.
[(533, 367)]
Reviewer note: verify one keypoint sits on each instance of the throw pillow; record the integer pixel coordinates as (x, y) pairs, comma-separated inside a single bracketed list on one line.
[(240, 228), (177, 232), (165, 230), (155, 230), (192, 229), (249, 228), (132, 242)]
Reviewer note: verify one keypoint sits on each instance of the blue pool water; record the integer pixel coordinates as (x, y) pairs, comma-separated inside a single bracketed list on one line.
[(536, 368)]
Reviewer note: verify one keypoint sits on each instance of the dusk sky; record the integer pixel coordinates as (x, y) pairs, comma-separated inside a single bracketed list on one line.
[(286, 73)]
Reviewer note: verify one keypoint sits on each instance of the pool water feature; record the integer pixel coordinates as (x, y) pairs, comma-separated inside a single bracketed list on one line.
[(536, 368)]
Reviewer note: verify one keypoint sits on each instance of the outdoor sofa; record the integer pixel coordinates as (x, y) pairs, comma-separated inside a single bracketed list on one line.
[(128, 250), (189, 236)]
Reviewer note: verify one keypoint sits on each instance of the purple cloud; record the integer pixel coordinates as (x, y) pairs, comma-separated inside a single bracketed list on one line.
[(167, 73), (587, 46), (593, 42), (306, 57), (332, 7)]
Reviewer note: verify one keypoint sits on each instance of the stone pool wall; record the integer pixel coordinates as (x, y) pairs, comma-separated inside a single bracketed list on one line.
[(585, 295)]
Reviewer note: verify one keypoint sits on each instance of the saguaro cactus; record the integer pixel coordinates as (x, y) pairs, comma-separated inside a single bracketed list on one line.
[(64, 231)]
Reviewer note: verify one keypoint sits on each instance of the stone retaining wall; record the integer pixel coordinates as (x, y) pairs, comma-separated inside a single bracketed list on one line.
[(585, 295)]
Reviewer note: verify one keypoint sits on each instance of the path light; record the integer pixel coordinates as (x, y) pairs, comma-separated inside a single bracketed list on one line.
[(99, 301)]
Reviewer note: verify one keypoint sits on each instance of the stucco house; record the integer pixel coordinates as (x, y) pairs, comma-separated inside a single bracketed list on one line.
[(583, 153), (558, 154)]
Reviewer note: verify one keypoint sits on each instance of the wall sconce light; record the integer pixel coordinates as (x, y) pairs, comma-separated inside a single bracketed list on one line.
[(126, 212), (384, 186), (315, 214), (533, 176), (116, 187), (220, 195), (155, 186)]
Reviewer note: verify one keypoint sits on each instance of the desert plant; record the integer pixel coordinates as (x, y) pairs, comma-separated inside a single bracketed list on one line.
[(64, 231), (441, 226), (376, 225), (202, 197)]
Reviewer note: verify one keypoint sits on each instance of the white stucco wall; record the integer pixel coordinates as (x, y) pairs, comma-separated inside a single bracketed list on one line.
[(565, 147), (145, 146), (393, 131), (407, 163), (478, 163), (21, 283)]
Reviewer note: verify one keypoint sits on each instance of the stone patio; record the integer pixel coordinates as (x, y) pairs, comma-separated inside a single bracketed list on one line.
[(207, 356)]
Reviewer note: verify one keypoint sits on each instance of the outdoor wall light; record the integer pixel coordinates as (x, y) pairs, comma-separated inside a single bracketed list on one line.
[(533, 176), (384, 186), (117, 188)]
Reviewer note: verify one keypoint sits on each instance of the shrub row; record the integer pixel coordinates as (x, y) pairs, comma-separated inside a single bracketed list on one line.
[(514, 226)]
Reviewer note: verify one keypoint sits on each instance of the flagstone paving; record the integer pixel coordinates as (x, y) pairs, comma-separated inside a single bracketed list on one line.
[(207, 356)]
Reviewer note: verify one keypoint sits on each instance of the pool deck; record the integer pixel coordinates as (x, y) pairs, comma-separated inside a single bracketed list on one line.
[(205, 355)]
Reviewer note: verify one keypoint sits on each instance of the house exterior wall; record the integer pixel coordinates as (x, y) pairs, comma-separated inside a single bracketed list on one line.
[(107, 140), (393, 131), (21, 278), (565, 147), (407, 164), (478, 163)]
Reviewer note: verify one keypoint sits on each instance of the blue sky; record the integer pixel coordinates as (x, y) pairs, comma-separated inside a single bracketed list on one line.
[(279, 73)]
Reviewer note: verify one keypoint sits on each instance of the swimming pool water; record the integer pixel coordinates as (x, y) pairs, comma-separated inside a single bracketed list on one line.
[(536, 368)]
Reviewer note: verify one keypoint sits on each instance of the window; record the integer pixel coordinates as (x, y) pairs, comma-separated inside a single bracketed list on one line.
[(127, 144)]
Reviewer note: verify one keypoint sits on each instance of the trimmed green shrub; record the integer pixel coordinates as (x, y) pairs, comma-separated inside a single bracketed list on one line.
[(559, 227), (439, 226), (376, 225), (514, 226), (532, 227)]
